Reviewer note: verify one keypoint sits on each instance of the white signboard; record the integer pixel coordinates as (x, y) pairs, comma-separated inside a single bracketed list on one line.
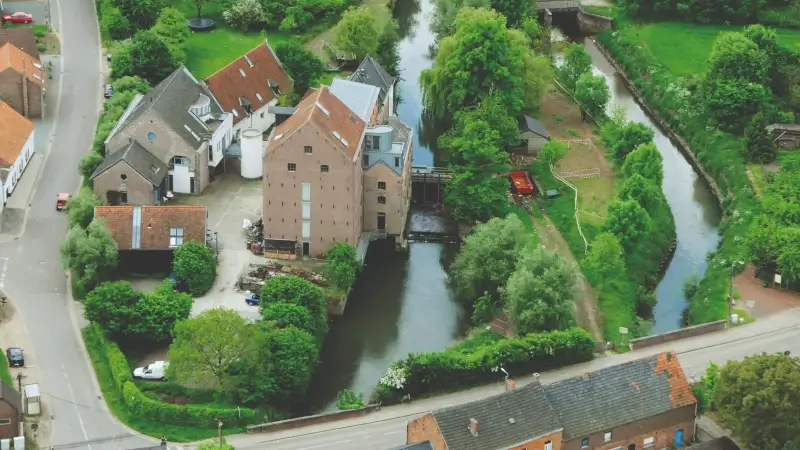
[(778, 278), (623, 330)]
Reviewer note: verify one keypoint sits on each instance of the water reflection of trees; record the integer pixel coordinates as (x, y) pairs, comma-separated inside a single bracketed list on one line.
[(407, 14), (429, 129)]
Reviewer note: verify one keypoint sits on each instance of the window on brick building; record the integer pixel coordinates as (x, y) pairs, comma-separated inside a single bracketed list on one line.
[(649, 442), (584, 442), (607, 437), (382, 200), (548, 445), (381, 185), (292, 167), (175, 237), (324, 168), (123, 198)]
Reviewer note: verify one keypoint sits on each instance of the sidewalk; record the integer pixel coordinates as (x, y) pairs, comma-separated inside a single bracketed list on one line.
[(684, 348)]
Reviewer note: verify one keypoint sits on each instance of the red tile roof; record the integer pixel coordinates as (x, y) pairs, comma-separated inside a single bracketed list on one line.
[(259, 65), (14, 132), (14, 58), (322, 110), (22, 38), (156, 222)]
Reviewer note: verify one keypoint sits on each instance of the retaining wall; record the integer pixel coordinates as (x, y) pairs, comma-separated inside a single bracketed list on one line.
[(591, 24), (683, 333), (311, 420)]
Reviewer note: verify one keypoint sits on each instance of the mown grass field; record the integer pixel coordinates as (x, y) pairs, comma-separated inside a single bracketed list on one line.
[(684, 48)]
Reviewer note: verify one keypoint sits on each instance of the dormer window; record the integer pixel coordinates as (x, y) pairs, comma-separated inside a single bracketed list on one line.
[(372, 143), (201, 107)]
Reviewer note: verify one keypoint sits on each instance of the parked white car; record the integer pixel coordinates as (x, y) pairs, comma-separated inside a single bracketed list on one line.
[(155, 371)]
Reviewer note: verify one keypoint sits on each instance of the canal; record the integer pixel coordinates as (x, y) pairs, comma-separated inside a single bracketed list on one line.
[(401, 302)]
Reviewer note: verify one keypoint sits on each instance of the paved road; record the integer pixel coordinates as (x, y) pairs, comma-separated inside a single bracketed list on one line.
[(386, 429), (34, 278)]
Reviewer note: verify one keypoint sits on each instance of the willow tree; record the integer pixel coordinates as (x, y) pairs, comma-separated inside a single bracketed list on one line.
[(484, 57)]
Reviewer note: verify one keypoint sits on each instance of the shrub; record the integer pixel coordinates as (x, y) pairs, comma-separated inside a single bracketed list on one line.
[(195, 264), (347, 399), (465, 365)]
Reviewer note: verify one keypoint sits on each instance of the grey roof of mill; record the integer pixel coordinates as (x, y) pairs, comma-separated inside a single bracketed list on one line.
[(9, 394), (784, 126), (142, 161), (282, 110), (372, 73), (421, 446), (171, 100), (400, 131), (722, 443), (619, 395), (529, 124), (504, 420), (359, 97)]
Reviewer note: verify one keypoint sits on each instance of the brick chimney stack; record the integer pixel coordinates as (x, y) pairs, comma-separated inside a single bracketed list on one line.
[(473, 427), (25, 105)]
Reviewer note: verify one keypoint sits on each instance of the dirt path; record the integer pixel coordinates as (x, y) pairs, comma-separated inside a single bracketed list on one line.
[(587, 314)]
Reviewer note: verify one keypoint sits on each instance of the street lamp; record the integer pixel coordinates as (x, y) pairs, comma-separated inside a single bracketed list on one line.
[(506, 377), (730, 291)]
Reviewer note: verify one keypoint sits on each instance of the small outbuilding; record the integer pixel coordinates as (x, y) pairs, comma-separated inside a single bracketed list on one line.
[(32, 399), (785, 135), (532, 135)]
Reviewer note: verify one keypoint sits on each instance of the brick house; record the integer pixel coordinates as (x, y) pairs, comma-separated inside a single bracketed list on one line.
[(131, 176), (10, 410), (154, 228), (23, 38), (645, 404), (521, 419), (248, 86), (16, 149), (22, 81), (182, 125)]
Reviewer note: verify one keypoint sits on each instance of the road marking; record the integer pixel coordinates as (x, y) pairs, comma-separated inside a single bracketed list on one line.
[(3, 272), (325, 445), (77, 412), (392, 432), (367, 437)]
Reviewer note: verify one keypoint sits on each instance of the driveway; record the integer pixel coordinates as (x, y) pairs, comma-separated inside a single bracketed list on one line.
[(40, 10), (35, 281), (230, 200)]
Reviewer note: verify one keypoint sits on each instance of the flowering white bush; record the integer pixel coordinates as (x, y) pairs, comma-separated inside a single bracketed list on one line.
[(395, 377)]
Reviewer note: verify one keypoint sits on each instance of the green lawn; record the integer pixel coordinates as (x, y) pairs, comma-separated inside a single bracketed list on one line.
[(684, 47), (5, 372)]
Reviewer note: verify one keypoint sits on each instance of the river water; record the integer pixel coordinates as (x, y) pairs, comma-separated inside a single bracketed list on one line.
[(401, 302)]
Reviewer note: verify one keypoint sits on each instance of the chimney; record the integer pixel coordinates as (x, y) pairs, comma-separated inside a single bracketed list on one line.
[(669, 356), (473, 427), (25, 105)]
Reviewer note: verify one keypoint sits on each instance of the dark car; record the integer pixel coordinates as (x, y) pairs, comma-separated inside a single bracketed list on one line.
[(252, 299), (15, 358), (178, 284), (108, 91)]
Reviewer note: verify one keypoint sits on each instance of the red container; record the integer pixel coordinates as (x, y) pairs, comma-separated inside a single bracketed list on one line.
[(522, 182)]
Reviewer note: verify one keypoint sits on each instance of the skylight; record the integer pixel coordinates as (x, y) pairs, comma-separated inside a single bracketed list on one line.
[(36, 75), (258, 96), (322, 108), (235, 113), (250, 63), (340, 138), (277, 136), (241, 71), (37, 65)]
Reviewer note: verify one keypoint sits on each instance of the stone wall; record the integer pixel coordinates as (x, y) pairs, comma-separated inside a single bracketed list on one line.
[(683, 333), (591, 24), (311, 420)]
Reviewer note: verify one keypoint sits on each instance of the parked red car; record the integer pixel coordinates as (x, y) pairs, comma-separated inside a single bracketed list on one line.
[(18, 17)]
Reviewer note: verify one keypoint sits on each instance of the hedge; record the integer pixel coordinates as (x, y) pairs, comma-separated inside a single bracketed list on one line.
[(149, 408), (475, 361), (720, 154)]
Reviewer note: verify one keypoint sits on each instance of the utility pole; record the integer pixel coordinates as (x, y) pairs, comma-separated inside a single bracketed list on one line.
[(219, 431), (22, 412)]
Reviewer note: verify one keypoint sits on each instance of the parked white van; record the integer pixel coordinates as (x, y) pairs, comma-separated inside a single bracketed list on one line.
[(155, 371)]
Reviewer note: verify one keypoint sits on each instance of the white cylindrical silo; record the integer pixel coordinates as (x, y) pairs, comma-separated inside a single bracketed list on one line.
[(252, 154)]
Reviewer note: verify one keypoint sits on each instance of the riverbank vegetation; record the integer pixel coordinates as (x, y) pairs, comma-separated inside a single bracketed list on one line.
[(749, 73)]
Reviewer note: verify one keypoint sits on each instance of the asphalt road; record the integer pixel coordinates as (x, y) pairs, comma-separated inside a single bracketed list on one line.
[(386, 429), (34, 277)]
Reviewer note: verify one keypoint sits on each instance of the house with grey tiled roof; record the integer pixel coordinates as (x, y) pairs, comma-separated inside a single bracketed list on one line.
[(370, 72), (645, 404), (130, 176), (181, 123)]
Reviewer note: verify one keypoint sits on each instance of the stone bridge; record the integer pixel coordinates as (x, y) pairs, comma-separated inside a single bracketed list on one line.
[(557, 6)]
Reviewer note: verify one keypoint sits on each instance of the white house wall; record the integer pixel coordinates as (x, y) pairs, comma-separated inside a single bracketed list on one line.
[(15, 172), (261, 119), (221, 139)]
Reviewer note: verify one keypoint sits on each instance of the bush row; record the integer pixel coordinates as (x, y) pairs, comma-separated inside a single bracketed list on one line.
[(720, 154), (477, 359), (146, 407)]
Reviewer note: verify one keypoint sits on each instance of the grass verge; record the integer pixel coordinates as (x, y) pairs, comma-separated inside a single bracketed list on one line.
[(5, 371)]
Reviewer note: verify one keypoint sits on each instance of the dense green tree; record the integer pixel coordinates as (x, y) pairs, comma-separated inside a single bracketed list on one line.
[(136, 85), (475, 191), (759, 398), (301, 292), (443, 18), (515, 11), (113, 306), (604, 259), (508, 70), (592, 94), (357, 32), (710, 380), (731, 103), (243, 14), (214, 445), (91, 254), (301, 64), (646, 161), (643, 191), (81, 208), (282, 315), (253, 379), (146, 55), (141, 14), (89, 163), (760, 147), (762, 246), (628, 137), (199, 4), (734, 56), (195, 264), (628, 221), (576, 63), (206, 347), (488, 258), (387, 53), (161, 310), (536, 33), (347, 399), (171, 28), (113, 23), (341, 265), (491, 111), (703, 11), (789, 257), (552, 151), (294, 357), (541, 293)]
